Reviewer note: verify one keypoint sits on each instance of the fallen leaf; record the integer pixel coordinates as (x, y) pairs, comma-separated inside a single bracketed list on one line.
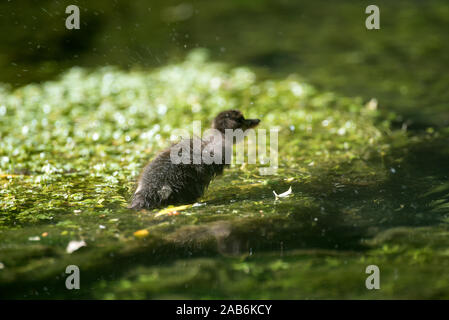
[(171, 210), (5, 175), (141, 233)]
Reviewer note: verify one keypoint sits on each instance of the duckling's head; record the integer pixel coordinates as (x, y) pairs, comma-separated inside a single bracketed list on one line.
[(233, 119)]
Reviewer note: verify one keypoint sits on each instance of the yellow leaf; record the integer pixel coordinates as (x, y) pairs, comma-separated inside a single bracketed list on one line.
[(141, 233), (172, 209), (8, 176)]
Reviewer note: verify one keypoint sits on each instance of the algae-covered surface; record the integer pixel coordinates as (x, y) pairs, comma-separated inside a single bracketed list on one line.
[(72, 148), (369, 177)]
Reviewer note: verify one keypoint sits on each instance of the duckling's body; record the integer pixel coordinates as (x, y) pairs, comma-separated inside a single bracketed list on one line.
[(164, 182)]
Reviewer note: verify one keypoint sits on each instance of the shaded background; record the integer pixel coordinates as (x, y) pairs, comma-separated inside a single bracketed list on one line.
[(377, 194), (404, 64)]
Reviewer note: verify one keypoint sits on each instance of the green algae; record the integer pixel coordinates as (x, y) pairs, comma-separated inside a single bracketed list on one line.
[(364, 192)]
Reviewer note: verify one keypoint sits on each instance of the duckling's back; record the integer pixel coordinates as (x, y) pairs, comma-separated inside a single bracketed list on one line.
[(164, 182)]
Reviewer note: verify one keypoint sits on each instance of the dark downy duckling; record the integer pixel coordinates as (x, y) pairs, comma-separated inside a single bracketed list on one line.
[(163, 182)]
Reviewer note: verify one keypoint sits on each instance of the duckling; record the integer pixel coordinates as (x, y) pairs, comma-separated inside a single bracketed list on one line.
[(166, 182)]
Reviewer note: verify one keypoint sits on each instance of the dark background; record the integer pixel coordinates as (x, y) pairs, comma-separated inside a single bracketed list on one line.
[(404, 65)]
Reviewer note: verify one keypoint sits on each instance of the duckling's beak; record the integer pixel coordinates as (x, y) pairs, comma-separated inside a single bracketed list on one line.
[(251, 123)]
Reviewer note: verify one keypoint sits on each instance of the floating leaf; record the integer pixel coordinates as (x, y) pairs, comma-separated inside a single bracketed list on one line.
[(170, 210), (141, 233)]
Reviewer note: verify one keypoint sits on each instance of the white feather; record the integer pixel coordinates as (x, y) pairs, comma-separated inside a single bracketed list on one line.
[(284, 194)]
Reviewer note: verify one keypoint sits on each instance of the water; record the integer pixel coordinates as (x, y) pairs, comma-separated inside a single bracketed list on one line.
[(370, 185)]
